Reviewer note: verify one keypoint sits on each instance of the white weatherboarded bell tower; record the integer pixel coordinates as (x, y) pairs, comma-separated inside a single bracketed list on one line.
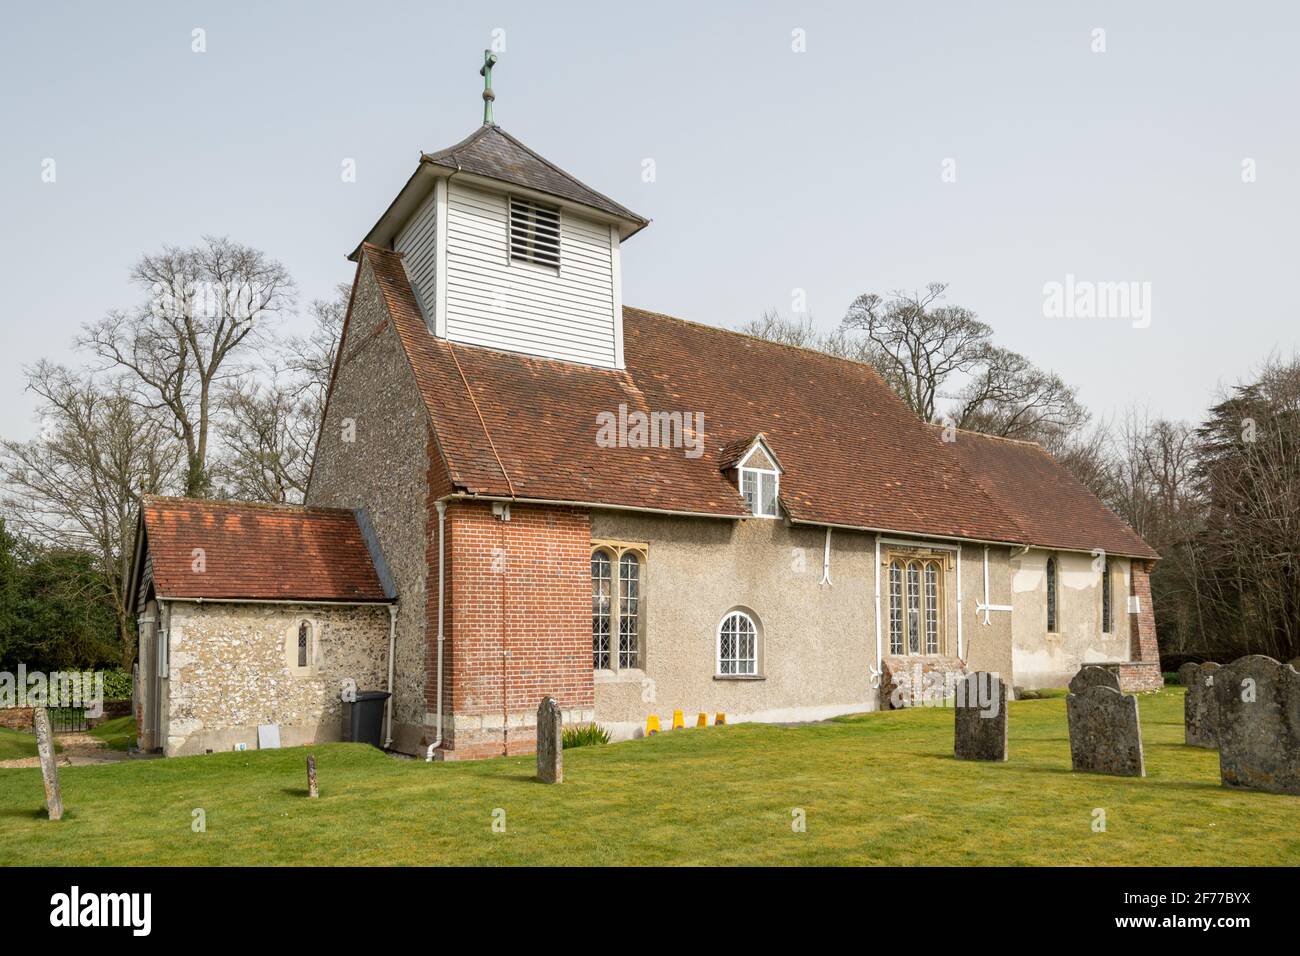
[(506, 250)]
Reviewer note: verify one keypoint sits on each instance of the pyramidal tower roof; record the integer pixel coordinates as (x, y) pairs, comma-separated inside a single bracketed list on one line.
[(493, 153), (493, 156)]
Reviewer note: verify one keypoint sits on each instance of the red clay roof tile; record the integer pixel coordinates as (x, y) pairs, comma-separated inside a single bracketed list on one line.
[(257, 551), (852, 454), (1052, 507)]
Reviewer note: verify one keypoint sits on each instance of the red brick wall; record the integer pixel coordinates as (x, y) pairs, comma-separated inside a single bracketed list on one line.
[(518, 622), (16, 718), (1142, 625)]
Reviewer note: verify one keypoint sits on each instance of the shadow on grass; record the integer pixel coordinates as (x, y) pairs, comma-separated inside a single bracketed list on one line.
[(40, 813), (520, 777)]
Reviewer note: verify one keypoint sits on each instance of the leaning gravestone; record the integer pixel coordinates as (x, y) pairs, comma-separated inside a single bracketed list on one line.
[(49, 762), (981, 728), (550, 742), (1258, 728), (1105, 736), (1200, 712)]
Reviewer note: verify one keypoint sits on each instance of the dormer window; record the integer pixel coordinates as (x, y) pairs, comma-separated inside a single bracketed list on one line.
[(759, 475), (534, 233), (758, 485)]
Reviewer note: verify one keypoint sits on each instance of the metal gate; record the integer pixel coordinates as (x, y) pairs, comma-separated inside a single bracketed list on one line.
[(64, 720)]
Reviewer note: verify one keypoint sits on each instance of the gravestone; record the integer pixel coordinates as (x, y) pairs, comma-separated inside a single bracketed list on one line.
[(49, 762), (1105, 736), (981, 722), (550, 742), (1200, 711), (1258, 727), (1091, 675)]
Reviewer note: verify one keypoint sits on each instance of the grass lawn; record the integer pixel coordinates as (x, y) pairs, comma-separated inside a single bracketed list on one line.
[(115, 733), (876, 789), (19, 744), (16, 744)]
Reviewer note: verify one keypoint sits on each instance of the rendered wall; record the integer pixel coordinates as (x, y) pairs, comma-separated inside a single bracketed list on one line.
[(1049, 659)]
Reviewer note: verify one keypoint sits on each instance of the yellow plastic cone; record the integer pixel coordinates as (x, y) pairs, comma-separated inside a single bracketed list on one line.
[(702, 720), (652, 725), (720, 719), (678, 723)]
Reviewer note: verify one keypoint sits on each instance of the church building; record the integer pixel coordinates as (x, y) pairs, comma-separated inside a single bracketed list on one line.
[(524, 488)]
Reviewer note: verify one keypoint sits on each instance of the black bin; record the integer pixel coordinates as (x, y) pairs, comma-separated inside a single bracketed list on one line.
[(365, 723)]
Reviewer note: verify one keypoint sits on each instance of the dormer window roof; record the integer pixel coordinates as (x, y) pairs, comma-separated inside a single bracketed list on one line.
[(758, 474)]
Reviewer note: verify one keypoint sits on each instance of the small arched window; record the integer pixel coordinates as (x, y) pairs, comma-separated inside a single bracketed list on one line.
[(1051, 595), (737, 645), (600, 610), (304, 643), (1107, 622)]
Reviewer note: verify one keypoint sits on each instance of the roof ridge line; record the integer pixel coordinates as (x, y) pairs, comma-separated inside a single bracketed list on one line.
[(972, 431), (751, 336), (241, 503)]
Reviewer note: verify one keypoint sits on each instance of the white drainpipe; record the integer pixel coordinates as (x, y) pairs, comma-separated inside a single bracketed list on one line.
[(442, 519), (826, 559), (879, 659), (959, 645), (392, 646)]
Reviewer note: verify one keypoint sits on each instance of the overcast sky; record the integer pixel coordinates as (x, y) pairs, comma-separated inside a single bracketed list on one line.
[(826, 170)]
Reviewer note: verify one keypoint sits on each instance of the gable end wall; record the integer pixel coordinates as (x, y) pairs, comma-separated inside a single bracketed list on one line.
[(390, 469)]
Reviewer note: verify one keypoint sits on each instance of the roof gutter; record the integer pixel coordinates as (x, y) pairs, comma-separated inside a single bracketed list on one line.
[(902, 534), (567, 503), (372, 602), (564, 503), (1020, 547)]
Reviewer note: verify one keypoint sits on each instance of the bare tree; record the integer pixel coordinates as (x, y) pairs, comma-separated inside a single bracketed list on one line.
[(1088, 454), (1011, 397), (773, 327), (271, 422), (206, 303), (1248, 471), (919, 343), (268, 434), (79, 484), (310, 358)]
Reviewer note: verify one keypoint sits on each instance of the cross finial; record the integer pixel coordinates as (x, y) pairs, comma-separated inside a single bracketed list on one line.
[(489, 61)]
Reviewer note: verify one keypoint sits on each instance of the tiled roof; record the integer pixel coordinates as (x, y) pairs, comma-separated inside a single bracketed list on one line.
[(1051, 506), (492, 152), (730, 454), (851, 452), (257, 551)]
